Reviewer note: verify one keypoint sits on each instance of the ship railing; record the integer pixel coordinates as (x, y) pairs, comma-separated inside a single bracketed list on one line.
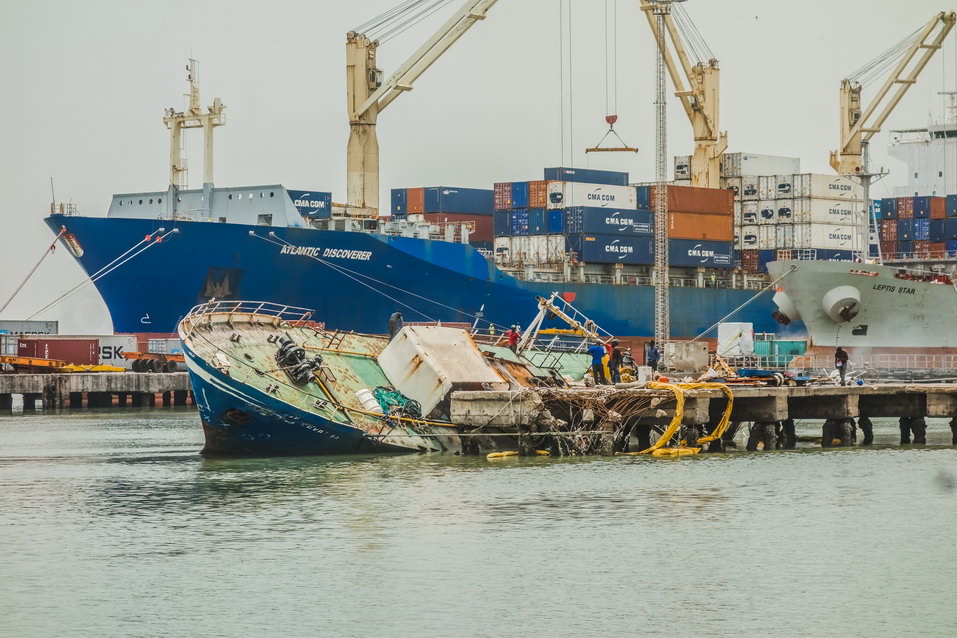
[(921, 255), (235, 310), (63, 208), (870, 366)]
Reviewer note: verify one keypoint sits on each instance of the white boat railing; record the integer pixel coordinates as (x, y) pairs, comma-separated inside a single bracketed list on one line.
[(235, 308)]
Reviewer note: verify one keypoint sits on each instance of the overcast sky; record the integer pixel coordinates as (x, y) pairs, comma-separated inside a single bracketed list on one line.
[(85, 85)]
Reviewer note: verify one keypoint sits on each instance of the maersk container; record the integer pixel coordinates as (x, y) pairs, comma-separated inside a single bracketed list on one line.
[(767, 211), (536, 221), (612, 249), (707, 254), (312, 204), (750, 188), (823, 236), (905, 229), (784, 186), (749, 237), (451, 199), (811, 210), (502, 223), (922, 229), (643, 195), (555, 221), (586, 176), (937, 231), (889, 208), (520, 222), (16, 327), (519, 194), (921, 207), (826, 187), (951, 205), (682, 167), (399, 202), (740, 164), (569, 194), (604, 221)]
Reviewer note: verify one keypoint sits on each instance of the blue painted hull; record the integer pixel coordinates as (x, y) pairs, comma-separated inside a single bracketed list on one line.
[(241, 421), (369, 277)]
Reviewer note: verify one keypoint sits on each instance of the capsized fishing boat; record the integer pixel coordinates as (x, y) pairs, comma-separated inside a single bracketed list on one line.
[(269, 382)]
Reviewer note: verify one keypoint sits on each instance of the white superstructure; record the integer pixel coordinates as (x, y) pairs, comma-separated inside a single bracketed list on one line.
[(930, 154)]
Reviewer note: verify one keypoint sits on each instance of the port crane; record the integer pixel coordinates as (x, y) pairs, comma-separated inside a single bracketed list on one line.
[(858, 124), (367, 95), (696, 86)]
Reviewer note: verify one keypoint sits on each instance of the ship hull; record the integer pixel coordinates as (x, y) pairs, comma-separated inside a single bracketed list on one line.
[(891, 314), (362, 278)]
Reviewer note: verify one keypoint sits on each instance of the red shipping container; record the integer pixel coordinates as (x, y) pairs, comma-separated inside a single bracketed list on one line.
[(889, 230), (538, 194), (889, 248), (143, 338), (691, 199), (921, 248), (502, 195), (481, 224), (938, 207), (905, 207), (938, 248), (79, 351), (750, 260), (700, 226), (415, 200)]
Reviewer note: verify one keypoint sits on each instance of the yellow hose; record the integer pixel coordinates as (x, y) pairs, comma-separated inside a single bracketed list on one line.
[(675, 420), (725, 418)]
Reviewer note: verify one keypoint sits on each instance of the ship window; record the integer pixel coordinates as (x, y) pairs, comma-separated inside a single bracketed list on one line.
[(940, 173), (179, 199), (915, 175), (271, 193), (121, 202), (141, 202), (222, 220), (250, 196), (159, 201), (260, 195), (264, 220), (151, 200), (230, 196)]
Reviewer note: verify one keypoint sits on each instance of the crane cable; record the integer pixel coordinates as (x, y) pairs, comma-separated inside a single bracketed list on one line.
[(876, 68)]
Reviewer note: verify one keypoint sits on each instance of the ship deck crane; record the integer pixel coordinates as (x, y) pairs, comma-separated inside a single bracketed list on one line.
[(700, 98), (367, 95), (859, 125)]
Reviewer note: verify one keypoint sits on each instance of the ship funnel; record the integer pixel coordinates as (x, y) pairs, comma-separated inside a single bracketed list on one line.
[(842, 303)]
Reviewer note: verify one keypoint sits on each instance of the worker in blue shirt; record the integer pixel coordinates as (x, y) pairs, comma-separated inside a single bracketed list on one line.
[(653, 357), (597, 352)]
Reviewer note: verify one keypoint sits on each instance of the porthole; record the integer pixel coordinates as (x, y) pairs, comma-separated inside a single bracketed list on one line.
[(250, 196), (230, 196), (159, 201), (141, 202), (271, 193), (121, 202), (178, 198), (151, 200), (260, 195)]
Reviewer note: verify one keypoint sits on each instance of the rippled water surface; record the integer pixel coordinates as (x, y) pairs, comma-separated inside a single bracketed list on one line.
[(112, 525)]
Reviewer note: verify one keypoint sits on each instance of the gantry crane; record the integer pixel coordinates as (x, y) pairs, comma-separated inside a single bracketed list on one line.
[(367, 96), (700, 99)]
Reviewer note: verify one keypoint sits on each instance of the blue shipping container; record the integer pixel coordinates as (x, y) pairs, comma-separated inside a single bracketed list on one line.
[(950, 228), (905, 247), (951, 245), (921, 229), (586, 175), (611, 249), (399, 201), (874, 210), (938, 230), (922, 206), (694, 252), (605, 221), (536, 221), (519, 194), (905, 229), (555, 222), (449, 199), (643, 194), (952, 205), (312, 204), (764, 257), (889, 208), (519, 222), (502, 223)]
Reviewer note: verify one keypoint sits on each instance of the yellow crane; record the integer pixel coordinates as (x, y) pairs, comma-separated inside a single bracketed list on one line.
[(697, 88), (367, 95), (859, 125)]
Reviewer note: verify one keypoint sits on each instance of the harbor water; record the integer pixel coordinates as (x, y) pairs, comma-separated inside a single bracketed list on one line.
[(113, 525)]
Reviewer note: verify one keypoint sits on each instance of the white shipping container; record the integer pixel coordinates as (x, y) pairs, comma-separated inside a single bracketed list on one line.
[(767, 237), (568, 194), (682, 167), (808, 210), (750, 188), (732, 184), (503, 247), (827, 236), (826, 187), (737, 213), (749, 212), (784, 186), (738, 164), (749, 237), (767, 211), (783, 211), (767, 186), (784, 235)]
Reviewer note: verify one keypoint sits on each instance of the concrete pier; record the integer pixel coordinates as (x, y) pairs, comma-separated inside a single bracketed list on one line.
[(95, 390)]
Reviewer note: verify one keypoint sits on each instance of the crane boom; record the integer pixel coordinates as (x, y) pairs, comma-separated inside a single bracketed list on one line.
[(858, 127), (367, 95), (700, 100)]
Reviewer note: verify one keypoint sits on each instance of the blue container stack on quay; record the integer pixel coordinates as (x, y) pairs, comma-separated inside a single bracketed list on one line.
[(917, 227), (449, 204)]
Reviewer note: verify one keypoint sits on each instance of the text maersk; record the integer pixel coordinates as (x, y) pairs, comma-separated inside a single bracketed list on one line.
[(334, 253)]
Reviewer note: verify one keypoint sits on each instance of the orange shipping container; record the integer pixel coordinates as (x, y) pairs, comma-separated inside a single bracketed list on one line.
[(690, 199), (538, 194), (481, 224), (700, 226), (415, 200), (938, 207)]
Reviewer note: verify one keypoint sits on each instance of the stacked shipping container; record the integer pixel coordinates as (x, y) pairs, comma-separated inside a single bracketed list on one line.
[(917, 227), (449, 204)]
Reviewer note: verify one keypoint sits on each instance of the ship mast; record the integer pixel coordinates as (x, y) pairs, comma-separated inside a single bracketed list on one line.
[(192, 117)]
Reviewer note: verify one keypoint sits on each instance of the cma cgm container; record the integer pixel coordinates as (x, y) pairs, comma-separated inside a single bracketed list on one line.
[(569, 194), (312, 204), (643, 197), (520, 222), (889, 208), (555, 221), (826, 186), (612, 249), (708, 254), (700, 226), (822, 236), (536, 221), (605, 221), (520, 195), (810, 210), (921, 207), (586, 176), (502, 223), (79, 351), (691, 199), (740, 164), (451, 199), (905, 229), (398, 202), (481, 224)]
